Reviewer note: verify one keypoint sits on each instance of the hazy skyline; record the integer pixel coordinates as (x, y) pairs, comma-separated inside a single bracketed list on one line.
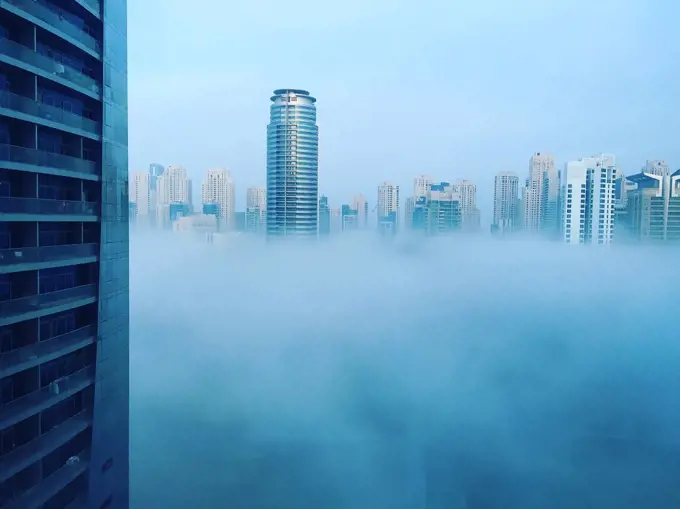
[(452, 89)]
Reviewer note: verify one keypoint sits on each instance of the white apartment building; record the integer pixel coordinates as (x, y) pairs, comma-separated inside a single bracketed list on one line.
[(505, 201), (218, 188), (542, 193), (421, 185), (467, 191), (173, 186), (140, 194), (360, 204), (256, 197), (656, 167), (388, 199), (589, 199)]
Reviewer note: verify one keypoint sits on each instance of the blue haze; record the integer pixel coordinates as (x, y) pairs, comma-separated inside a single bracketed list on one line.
[(356, 375), (451, 88)]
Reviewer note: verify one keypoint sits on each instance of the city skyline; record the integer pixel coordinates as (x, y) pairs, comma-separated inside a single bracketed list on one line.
[(496, 103)]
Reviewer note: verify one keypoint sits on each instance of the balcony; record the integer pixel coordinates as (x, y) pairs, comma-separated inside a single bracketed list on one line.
[(29, 453), (58, 208), (17, 158), (44, 351), (92, 5), (35, 497), (17, 259), (21, 107), (57, 23), (31, 404), (26, 308), (17, 54)]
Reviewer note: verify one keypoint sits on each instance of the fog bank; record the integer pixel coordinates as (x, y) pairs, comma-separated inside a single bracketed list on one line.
[(442, 373)]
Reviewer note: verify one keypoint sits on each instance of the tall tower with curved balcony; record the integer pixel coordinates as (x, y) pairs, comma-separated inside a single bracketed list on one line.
[(292, 165), (64, 243)]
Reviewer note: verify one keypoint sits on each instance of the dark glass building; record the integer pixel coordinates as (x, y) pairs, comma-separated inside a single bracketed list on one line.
[(64, 299)]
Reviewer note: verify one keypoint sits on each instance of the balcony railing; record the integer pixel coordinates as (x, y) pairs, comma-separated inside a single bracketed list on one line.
[(18, 459), (23, 155), (17, 307), (30, 404), (20, 255), (44, 351), (57, 21), (93, 4), (45, 63), (41, 206), (28, 106), (36, 496)]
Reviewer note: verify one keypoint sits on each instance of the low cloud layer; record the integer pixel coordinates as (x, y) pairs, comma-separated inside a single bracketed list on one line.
[(452, 373)]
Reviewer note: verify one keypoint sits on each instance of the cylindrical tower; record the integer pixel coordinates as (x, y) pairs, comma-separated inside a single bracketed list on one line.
[(292, 165)]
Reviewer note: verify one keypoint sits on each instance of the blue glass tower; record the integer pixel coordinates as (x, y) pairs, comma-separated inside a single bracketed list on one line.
[(292, 165), (64, 244)]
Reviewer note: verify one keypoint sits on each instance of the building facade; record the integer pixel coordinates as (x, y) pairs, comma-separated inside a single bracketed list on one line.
[(292, 165), (360, 204), (324, 216), (218, 188), (589, 200), (439, 211), (505, 202), (64, 271), (173, 189), (653, 207), (541, 194), (388, 208), (141, 195)]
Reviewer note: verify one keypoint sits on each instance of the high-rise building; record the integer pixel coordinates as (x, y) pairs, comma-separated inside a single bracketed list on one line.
[(421, 185), (64, 251), (409, 208), (653, 207), (140, 195), (439, 211), (656, 167), (256, 197), (349, 218), (589, 200), (173, 187), (155, 171), (541, 194), (360, 204), (218, 187), (292, 165), (505, 202), (388, 208), (467, 192), (324, 216)]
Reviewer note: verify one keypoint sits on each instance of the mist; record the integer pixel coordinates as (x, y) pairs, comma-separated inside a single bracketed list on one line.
[(422, 374)]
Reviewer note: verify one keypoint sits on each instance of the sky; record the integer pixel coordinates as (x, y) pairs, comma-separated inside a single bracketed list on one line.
[(451, 88), (410, 377)]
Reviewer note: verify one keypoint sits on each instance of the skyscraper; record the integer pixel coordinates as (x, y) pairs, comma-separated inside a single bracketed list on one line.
[(256, 197), (653, 207), (467, 192), (292, 165), (218, 188), (541, 194), (256, 209), (173, 193), (588, 204), (439, 211), (324, 216), (140, 195), (64, 244), (505, 202), (388, 207), (360, 204)]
